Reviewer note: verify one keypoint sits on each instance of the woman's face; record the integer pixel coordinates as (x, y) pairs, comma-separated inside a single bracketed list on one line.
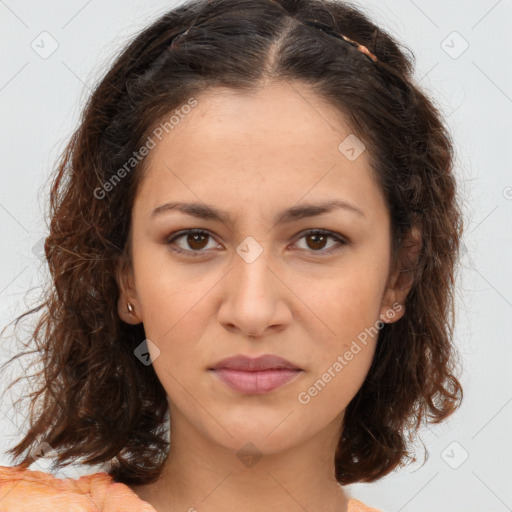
[(254, 282)]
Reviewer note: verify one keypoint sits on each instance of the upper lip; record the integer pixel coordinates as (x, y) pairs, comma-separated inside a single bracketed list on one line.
[(264, 362)]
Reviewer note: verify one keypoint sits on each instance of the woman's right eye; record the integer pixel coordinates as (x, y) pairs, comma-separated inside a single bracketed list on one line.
[(194, 238)]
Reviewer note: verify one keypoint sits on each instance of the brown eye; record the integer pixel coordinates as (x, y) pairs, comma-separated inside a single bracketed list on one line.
[(195, 242), (316, 241)]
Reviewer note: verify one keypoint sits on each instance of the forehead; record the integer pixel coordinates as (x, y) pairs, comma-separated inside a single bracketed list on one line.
[(280, 143)]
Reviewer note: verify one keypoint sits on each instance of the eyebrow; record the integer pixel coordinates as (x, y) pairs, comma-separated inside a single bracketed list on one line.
[(207, 212)]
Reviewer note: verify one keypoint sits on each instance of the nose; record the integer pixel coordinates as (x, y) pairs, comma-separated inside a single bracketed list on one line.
[(255, 298)]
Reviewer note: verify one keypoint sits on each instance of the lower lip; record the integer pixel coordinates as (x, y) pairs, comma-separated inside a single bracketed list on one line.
[(256, 383)]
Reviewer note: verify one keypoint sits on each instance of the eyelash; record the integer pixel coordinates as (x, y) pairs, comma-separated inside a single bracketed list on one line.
[(342, 242)]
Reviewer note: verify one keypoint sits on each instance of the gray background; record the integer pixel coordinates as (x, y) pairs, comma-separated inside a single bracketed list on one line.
[(468, 465)]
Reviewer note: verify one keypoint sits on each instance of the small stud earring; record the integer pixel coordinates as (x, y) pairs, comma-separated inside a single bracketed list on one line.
[(130, 308)]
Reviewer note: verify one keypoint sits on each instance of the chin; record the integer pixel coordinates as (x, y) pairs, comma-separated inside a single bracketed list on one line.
[(268, 435)]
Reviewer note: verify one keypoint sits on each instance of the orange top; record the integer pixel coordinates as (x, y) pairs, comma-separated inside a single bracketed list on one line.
[(25, 490)]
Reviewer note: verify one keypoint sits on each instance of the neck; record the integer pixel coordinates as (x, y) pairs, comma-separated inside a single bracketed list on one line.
[(200, 474)]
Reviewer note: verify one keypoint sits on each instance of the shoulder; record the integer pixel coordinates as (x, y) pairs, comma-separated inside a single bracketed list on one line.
[(357, 506), (24, 490)]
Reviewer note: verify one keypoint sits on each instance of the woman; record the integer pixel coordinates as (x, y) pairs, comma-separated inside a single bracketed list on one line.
[(254, 234)]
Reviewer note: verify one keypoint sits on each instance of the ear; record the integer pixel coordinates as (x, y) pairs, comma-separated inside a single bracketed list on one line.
[(401, 278), (127, 292)]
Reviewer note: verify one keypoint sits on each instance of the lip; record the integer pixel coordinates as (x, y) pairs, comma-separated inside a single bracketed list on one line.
[(254, 364), (255, 376)]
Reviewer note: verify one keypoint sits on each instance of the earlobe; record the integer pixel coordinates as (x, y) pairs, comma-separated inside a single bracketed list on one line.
[(402, 279), (393, 313), (127, 305), (127, 311)]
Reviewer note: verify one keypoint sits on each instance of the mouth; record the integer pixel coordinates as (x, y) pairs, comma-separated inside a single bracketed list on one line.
[(256, 382), (255, 376)]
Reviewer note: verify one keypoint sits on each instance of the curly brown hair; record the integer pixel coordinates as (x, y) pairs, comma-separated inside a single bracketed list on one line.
[(98, 402)]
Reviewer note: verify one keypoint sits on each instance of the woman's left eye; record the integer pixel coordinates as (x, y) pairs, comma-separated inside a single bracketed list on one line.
[(196, 238), (319, 237)]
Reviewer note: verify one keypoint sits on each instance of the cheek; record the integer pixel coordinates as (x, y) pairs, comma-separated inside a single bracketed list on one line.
[(361, 290), (343, 343), (172, 298), (342, 306), (342, 356), (329, 394)]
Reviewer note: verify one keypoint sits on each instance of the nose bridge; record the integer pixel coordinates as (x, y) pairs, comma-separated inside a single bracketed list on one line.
[(251, 275), (253, 297)]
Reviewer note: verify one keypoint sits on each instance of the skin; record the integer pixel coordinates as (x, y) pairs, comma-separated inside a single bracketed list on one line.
[(255, 155)]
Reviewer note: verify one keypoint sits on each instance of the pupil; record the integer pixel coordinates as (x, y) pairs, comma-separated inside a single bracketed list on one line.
[(317, 236), (194, 237)]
